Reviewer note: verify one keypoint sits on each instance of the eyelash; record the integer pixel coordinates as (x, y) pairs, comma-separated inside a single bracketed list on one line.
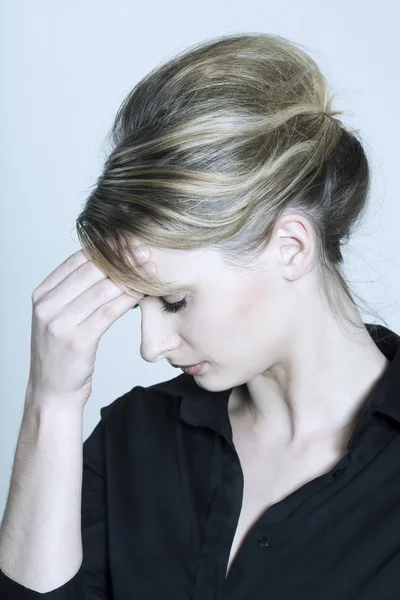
[(172, 308)]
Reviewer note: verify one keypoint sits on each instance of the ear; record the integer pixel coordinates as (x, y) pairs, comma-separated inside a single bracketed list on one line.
[(295, 244)]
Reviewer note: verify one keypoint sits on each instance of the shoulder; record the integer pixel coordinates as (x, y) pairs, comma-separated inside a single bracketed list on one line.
[(160, 400)]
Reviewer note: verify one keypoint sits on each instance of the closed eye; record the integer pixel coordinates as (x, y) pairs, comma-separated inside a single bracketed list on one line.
[(172, 308)]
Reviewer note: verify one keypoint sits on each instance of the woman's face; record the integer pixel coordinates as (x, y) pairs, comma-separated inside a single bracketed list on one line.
[(232, 320)]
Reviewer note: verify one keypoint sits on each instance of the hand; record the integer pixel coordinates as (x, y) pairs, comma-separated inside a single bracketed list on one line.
[(72, 308)]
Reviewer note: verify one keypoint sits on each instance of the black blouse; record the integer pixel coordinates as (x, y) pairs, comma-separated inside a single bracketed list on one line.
[(162, 492)]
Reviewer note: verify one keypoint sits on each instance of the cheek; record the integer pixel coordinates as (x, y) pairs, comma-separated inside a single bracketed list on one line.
[(207, 320), (247, 303)]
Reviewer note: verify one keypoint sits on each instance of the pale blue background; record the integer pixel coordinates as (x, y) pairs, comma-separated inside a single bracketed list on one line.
[(66, 67)]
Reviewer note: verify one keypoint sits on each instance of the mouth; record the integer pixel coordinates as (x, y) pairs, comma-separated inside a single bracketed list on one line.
[(185, 366), (196, 369)]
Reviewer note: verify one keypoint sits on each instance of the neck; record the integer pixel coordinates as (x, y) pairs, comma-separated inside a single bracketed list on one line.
[(316, 389)]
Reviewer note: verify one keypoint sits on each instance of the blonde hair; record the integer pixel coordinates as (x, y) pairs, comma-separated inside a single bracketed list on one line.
[(212, 147)]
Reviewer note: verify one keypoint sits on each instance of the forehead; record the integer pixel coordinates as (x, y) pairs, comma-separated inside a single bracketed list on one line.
[(178, 268), (171, 262)]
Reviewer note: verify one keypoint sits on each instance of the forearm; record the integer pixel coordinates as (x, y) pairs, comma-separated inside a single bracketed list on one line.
[(40, 535)]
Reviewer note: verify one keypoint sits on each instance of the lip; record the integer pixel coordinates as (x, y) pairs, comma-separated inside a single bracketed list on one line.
[(184, 366)]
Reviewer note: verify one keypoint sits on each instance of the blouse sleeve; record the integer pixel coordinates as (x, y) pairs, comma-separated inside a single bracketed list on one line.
[(92, 581)]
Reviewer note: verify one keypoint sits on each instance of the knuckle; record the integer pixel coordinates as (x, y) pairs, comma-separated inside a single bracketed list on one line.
[(41, 310), (55, 327), (101, 291), (75, 260), (87, 268), (106, 312), (35, 295), (82, 270)]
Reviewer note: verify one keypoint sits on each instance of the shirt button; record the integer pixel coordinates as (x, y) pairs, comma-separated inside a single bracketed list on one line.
[(263, 541)]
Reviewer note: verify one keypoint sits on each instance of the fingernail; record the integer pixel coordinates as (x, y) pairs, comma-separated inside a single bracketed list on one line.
[(142, 252)]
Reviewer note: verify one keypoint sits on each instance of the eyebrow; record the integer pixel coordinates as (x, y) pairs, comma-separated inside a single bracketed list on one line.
[(175, 290)]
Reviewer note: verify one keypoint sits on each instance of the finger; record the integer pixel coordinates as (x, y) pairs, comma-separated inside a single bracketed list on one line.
[(73, 313), (60, 273), (72, 264), (101, 319)]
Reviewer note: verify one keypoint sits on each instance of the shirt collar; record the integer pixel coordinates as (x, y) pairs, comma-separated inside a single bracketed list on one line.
[(204, 408)]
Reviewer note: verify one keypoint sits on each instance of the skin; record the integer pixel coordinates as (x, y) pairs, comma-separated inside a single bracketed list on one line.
[(297, 374)]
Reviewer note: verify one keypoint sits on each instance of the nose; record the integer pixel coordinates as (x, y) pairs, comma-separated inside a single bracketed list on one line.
[(159, 339)]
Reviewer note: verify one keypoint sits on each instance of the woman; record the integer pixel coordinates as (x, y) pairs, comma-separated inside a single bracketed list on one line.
[(269, 468)]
